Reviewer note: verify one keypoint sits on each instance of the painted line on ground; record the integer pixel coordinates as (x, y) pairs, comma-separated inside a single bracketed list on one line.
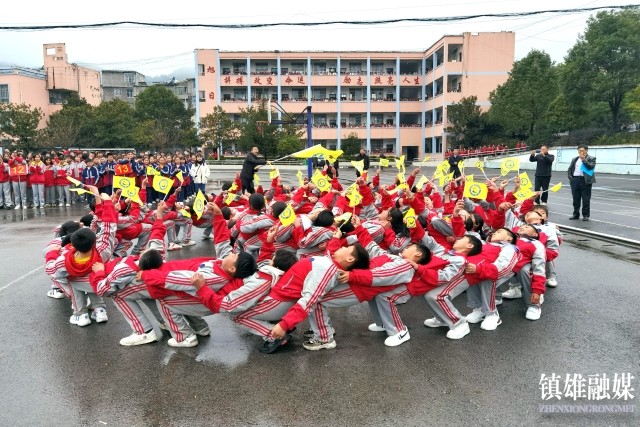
[(21, 277)]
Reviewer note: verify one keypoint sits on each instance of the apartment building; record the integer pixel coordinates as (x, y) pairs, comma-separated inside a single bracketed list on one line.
[(122, 84), (395, 102), (48, 87)]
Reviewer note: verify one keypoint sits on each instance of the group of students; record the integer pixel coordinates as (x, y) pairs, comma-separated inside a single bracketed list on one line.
[(269, 269), (39, 180)]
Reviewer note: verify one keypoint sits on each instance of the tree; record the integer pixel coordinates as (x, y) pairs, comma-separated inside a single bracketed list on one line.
[(632, 104), (521, 103), (70, 126), (351, 144), (604, 65), (113, 124), (20, 122), (171, 118), (468, 122), (289, 144), (217, 130)]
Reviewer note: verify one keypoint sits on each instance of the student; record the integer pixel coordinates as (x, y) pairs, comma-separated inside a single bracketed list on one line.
[(18, 180), (6, 201), (582, 176), (49, 183)]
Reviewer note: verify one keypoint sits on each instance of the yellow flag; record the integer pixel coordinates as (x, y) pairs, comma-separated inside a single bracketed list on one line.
[(468, 178), (75, 181), (426, 159), (353, 188), (273, 174), (199, 204), (421, 182), (321, 182), (230, 198), (80, 190), (445, 179), (359, 165), (345, 217), (130, 193), (300, 176), (123, 182), (556, 187), (355, 199), (401, 178), (180, 177), (504, 172), (438, 174), (288, 216), (384, 162), (151, 171), (185, 213), (233, 187), (510, 164), (162, 184), (461, 165), (480, 165), (525, 182), (524, 194), (136, 198), (444, 166), (400, 164), (410, 218), (256, 179), (475, 190)]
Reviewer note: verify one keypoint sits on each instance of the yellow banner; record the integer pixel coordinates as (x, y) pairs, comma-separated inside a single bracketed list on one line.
[(123, 182), (162, 184), (288, 216), (475, 190), (199, 204)]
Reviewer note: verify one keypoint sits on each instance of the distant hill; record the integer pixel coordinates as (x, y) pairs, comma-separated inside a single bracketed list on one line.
[(179, 74)]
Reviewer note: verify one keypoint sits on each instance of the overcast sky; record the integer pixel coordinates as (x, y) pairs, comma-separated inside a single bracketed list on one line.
[(160, 51)]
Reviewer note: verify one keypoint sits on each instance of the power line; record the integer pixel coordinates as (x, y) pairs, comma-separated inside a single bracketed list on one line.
[(312, 24)]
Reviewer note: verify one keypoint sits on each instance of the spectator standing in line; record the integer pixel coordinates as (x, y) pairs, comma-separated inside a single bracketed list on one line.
[(249, 168), (582, 176), (453, 160), (544, 161)]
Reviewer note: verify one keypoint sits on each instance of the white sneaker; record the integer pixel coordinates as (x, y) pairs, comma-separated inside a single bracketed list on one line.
[(174, 247), (475, 316), (434, 322), (491, 322), (17, 207), (314, 344), (397, 339), (188, 243), (513, 293), (68, 204), (204, 332), (55, 293), (533, 313), (552, 282), (138, 339), (498, 300), (459, 330), (190, 341), (375, 328), (541, 298), (207, 238), (80, 319), (99, 315)]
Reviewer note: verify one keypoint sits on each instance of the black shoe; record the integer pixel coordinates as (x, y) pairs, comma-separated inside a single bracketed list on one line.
[(586, 218), (308, 334), (574, 217), (269, 347)]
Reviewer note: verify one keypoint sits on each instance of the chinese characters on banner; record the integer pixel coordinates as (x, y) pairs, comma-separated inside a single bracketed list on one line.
[(211, 69)]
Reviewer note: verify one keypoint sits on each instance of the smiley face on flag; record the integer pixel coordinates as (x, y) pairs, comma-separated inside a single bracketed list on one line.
[(474, 189), (509, 164), (198, 205), (163, 184)]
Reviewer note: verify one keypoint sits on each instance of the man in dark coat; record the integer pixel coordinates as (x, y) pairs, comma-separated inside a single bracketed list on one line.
[(543, 171), (249, 168)]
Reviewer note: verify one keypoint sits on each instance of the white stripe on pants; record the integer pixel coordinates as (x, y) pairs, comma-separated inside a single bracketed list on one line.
[(340, 296), (183, 315), (259, 320), (439, 300), (128, 300)]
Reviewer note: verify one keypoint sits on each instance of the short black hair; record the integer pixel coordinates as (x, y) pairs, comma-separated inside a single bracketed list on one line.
[(514, 236), (226, 212), (68, 228), (277, 208), (477, 244), (257, 202), (150, 259), (245, 265), (87, 220), (542, 208), (583, 146), (426, 254), (324, 219), (346, 226), (83, 240), (283, 259), (226, 185), (361, 258)]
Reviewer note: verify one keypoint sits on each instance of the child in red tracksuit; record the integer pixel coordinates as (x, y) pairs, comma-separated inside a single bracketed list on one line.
[(49, 183)]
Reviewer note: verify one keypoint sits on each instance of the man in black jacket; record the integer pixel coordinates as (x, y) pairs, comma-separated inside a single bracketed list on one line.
[(249, 168), (365, 158), (581, 176), (544, 161), (453, 161)]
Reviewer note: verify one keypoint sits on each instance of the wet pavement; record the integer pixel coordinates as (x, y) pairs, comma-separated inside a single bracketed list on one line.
[(54, 373)]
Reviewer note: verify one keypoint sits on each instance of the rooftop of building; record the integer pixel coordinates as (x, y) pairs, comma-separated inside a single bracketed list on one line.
[(24, 71)]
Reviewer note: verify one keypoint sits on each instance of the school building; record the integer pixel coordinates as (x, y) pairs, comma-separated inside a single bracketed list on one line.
[(47, 87), (395, 102)]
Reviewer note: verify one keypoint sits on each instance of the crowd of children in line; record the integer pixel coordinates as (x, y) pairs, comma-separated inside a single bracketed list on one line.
[(39, 180), (284, 254), (485, 150)]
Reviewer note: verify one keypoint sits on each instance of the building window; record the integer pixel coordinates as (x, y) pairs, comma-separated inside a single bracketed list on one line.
[(130, 78), (320, 67), (240, 94), (201, 96), (355, 67), (262, 67), (377, 68), (56, 97), (130, 92), (201, 69), (4, 93), (117, 92), (297, 67)]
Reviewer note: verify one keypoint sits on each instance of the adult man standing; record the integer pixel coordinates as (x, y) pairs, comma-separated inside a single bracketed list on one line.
[(543, 172), (249, 168), (365, 159), (581, 176), (453, 160)]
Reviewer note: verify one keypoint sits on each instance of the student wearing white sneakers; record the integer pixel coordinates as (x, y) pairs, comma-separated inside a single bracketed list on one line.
[(485, 272)]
